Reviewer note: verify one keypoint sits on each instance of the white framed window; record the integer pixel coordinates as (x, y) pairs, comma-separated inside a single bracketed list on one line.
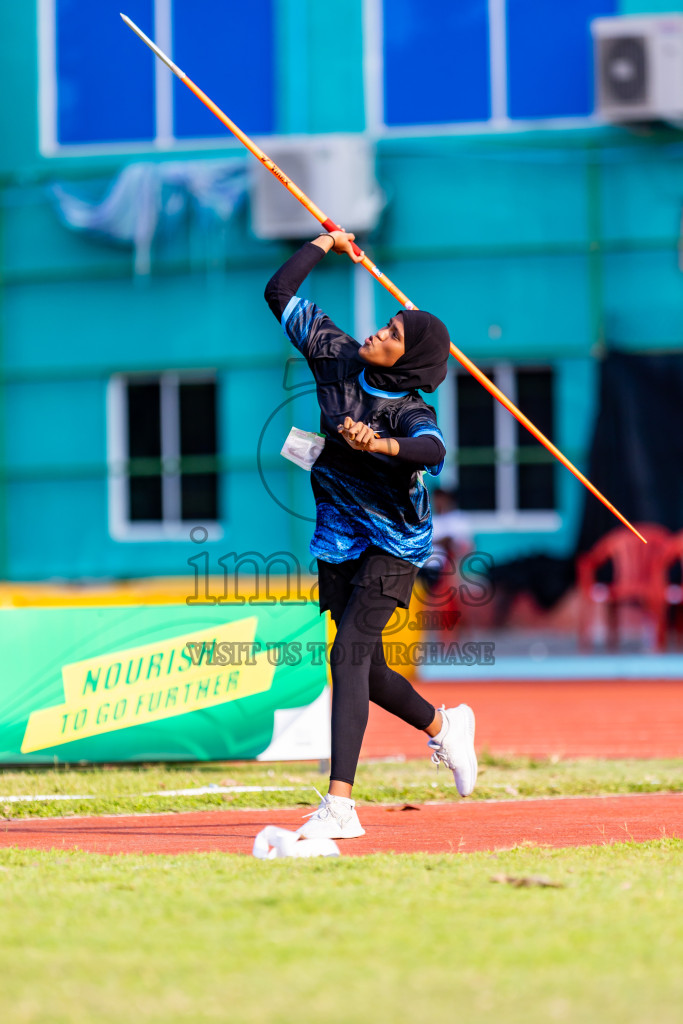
[(162, 456), (478, 65), (102, 90), (504, 477)]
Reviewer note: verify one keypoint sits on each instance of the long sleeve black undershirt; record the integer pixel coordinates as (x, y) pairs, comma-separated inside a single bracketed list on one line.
[(426, 450), (285, 282)]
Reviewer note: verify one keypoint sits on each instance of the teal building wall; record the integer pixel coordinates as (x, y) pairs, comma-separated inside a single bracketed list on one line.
[(536, 245)]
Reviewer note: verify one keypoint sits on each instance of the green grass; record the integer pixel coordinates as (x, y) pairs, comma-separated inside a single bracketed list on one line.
[(88, 939), (122, 790)]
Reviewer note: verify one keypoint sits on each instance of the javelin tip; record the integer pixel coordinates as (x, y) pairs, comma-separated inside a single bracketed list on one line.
[(153, 47)]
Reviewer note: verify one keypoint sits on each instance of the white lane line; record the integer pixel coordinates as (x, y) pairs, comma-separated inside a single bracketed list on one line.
[(207, 790), (197, 791)]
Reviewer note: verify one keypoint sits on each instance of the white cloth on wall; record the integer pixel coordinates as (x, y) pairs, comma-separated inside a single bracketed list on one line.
[(147, 197)]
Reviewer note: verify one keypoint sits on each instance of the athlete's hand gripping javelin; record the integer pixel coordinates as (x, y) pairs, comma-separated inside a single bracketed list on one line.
[(340, 242)]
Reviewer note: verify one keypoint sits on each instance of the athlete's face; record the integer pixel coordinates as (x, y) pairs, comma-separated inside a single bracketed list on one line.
[(385, 346)]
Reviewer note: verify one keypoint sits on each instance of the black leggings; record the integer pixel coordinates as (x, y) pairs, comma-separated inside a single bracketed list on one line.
[(360, 674)]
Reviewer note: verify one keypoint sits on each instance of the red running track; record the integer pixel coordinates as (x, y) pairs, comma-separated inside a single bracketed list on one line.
[(591, 718), (569, 719), (460, 827)]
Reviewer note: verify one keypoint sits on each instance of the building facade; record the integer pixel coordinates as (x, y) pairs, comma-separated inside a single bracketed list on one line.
[(145, 388)]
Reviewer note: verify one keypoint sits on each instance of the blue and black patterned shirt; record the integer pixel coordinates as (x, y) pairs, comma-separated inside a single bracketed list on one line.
[(362, 498)]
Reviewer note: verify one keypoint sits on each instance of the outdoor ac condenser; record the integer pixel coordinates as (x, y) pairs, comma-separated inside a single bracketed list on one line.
[(336, 171), (639, 67)]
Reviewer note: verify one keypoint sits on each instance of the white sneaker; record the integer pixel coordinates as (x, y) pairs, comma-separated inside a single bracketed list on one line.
[(456, 747), (335, 818)]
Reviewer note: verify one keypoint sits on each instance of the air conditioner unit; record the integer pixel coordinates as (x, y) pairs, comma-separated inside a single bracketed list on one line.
[(639, 67), (336, 171)]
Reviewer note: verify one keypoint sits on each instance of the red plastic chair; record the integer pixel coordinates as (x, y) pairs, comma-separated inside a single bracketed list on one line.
[(665, 594), (635, 578)]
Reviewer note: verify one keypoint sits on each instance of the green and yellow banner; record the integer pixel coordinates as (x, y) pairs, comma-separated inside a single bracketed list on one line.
[(162, 682)]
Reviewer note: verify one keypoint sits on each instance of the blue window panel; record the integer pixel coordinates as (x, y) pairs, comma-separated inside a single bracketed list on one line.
[(436, 61), (550, 56), (227, 49), (105, 76)]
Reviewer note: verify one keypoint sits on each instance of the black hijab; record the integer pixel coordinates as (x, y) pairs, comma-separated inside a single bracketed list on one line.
[(423, 364)]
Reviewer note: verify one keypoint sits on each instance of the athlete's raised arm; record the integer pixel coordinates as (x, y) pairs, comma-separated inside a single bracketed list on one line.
[(286, 281)]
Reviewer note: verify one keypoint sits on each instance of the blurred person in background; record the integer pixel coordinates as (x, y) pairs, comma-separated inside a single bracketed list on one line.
[(452, 533), (452, 539)]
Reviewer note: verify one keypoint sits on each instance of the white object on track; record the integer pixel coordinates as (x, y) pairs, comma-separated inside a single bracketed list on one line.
[(272, 842)]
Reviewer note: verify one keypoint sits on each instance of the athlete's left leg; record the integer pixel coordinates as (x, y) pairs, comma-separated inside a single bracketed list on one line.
[(393, 692)]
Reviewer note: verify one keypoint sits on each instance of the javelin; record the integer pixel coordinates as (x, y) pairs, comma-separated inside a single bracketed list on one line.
[(330, 225)]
